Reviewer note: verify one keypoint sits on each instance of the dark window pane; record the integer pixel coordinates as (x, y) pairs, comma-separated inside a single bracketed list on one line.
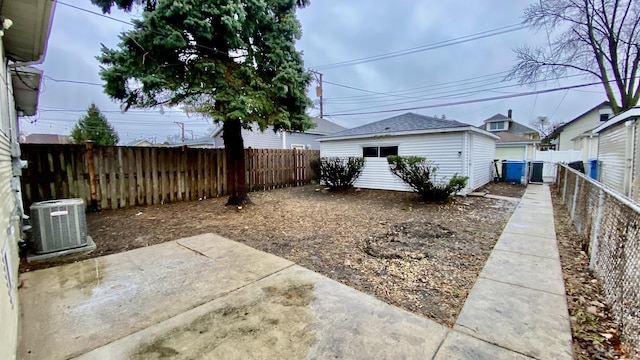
[(388, 150), (604, 117), (371, 151)]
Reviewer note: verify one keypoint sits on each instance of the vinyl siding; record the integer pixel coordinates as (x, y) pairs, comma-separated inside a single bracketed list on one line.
[(269, 140), (9, 228), (303, 139), (481, 154), (611, 152), (570, 131), (514, 152), (441, 148), (635, 180)]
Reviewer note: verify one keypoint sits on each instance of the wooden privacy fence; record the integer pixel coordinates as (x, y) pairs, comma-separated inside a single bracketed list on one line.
[(141, 176)]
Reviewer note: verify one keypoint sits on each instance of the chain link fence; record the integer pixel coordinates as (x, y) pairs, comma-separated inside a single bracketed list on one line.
[(609, 226)]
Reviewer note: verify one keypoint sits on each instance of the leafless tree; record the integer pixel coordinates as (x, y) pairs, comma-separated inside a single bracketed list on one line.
[(544, 126), (600, 38)]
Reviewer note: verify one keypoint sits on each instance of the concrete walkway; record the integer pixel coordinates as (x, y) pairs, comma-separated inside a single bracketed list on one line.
[(210, 297), (519, 301)]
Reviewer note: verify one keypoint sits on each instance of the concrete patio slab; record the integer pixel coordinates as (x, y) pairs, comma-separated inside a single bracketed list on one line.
[(293, 314), (528, 244), (527, 321), (458, 346), (533, 272), (69, 310)]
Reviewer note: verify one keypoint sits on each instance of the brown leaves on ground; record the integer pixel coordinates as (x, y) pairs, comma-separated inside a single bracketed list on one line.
[(422, 257), (595, 334)]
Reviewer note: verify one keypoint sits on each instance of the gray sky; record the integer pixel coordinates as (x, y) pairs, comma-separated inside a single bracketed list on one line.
[(336, 31)]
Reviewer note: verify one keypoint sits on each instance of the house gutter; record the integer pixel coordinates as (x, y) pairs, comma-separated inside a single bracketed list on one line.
[(413, 132)]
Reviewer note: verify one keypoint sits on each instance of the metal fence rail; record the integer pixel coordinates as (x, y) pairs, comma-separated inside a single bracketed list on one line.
[(609, 225)]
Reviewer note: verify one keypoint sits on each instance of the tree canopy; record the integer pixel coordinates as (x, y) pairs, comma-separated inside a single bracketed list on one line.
[(597, 38), (231, 60), (95, 127)]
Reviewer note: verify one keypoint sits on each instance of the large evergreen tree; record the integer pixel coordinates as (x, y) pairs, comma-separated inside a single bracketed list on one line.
[(95, 127), (231, 60)]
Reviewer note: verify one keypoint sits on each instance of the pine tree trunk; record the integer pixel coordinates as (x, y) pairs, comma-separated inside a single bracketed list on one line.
[(234, 156)]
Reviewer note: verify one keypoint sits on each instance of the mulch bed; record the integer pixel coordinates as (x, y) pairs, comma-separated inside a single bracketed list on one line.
[(421, 257)]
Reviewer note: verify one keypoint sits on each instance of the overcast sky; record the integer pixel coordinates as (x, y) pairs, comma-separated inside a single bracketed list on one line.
[(336, 31)]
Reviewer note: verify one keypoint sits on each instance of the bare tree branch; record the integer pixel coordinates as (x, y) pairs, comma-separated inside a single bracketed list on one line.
[(596, 37)]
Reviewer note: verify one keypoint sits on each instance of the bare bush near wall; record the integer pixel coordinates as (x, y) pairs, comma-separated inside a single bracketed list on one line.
[(142, 176), (609, 225)]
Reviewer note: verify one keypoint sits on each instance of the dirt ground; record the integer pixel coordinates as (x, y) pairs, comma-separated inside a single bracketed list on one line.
[(595, 334), (421, 257)]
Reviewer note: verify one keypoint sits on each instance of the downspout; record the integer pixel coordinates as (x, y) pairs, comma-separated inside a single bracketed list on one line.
[(284, 139), (628, 156)]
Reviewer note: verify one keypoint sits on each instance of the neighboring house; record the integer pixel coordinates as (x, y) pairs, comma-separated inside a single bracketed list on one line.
[(46, 139), (517, 141), (619, 153), (268, 139), (142, 143), (22, 44), (455, 147), (577, 134)]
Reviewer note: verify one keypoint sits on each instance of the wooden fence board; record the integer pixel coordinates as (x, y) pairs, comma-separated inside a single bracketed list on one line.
[(138, 176)]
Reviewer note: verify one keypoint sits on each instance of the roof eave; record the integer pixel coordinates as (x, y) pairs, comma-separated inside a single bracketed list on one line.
[(627, 115), (26, 89), (26, 40), (412, 132)]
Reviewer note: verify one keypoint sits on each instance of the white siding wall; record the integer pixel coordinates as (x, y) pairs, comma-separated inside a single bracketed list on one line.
[(611, 152), (585, 123), (9, 222), (441, 148), (303, 139), (482, 152), (269, 140), (512, 152)]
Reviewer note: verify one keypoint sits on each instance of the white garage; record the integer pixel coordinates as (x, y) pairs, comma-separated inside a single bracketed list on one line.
[(456, 148)]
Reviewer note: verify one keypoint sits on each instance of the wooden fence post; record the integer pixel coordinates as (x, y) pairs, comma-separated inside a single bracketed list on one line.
[(93, 206)]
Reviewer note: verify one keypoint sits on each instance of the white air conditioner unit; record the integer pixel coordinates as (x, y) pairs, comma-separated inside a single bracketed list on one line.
[(58, 225)]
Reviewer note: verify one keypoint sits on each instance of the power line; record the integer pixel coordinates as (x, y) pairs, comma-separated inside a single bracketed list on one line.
[(455, 94), (472, 101), (72, 81), (431, 86), (422, 48)]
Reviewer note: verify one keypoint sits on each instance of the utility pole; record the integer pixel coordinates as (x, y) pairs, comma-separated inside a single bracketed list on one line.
[(181, 124), (318, 77)]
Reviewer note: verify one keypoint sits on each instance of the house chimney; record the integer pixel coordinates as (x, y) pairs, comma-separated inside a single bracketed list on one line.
[(509, 113)]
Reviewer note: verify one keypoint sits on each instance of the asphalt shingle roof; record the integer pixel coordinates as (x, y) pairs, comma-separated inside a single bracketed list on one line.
[(325, 127), (400, 123)]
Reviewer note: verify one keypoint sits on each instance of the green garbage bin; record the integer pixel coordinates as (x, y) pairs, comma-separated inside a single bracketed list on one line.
[(535, 171)]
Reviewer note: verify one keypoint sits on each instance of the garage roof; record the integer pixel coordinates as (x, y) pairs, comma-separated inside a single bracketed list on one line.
[(408, 123)]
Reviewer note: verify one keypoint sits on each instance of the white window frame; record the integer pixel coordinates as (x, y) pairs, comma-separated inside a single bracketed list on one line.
[(501, 123), (298, 146)]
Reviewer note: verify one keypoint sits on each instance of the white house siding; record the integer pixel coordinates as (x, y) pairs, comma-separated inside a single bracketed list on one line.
[(441, 148), (481, 154), (588, 145), (255, 139), (611, 152), (307, 140), (9, 222), (511, 152), (572, 130)]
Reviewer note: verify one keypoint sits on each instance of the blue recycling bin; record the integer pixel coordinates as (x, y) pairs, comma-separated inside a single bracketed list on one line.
[(593, 169), (514, 170)]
